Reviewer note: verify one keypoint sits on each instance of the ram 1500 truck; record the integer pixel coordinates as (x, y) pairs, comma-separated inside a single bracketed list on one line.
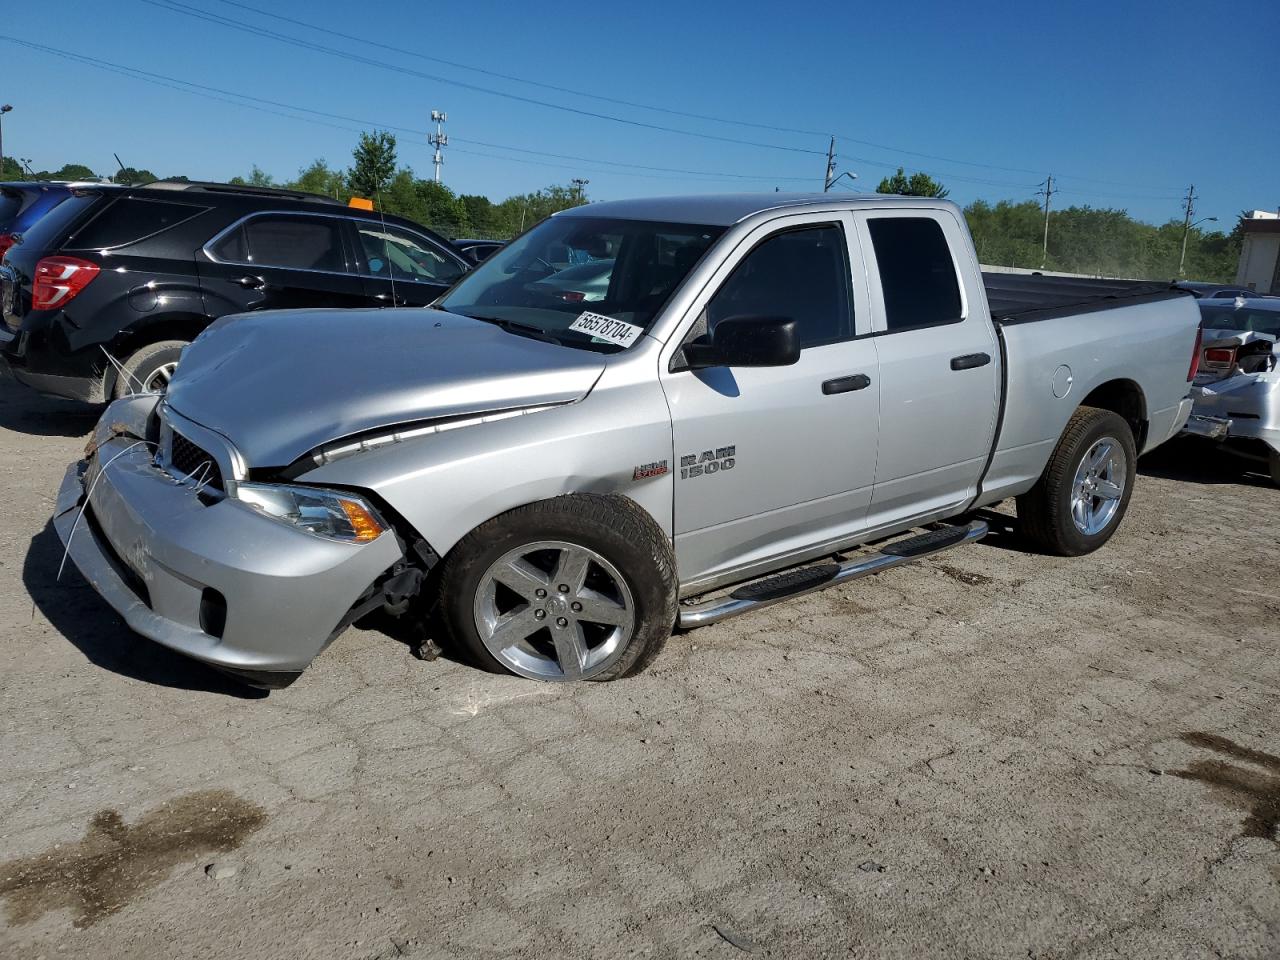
[(562, 475)]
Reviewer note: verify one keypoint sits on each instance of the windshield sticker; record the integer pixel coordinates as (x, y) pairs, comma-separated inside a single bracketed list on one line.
[(606, 328)]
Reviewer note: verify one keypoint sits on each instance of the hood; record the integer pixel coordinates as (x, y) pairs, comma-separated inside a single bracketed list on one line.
[(278, 384)]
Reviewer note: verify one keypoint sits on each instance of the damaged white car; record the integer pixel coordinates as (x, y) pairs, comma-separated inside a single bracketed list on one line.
[(1237, 390)]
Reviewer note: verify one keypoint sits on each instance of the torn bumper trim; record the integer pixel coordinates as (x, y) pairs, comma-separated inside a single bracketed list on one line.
[(286, 590), (1211, 428)]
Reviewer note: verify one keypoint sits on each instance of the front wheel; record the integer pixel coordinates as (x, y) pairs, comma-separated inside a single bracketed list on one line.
[(580, 587), (1080, 499)]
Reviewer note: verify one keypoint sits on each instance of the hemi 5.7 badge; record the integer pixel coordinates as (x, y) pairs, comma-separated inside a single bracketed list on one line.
[(646, 470), (707, 462)]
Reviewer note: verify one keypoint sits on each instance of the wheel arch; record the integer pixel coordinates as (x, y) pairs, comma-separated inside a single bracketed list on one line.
[(1125, 398), (169, 326)]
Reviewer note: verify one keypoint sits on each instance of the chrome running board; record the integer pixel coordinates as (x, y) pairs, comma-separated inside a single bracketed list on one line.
[(799, 581)]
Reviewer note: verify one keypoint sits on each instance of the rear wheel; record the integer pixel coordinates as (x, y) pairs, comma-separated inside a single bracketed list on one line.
[(581, 587), (148, 369), (1079, 501)]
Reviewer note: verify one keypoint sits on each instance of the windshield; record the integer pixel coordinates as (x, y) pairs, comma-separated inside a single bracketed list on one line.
[(586, 282), (1242, 318)]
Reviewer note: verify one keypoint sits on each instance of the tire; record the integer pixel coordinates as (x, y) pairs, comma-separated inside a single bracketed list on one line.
[(517, 594), (148, 366), (1067, 493), (1274, 462)]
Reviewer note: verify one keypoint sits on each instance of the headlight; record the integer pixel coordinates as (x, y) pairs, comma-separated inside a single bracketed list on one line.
[(326, 513)]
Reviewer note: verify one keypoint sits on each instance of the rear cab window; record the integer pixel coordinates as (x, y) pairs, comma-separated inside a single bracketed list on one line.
[(917, 274)]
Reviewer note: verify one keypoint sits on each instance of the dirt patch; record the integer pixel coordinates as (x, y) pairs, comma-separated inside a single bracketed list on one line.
[(1257, 793), (962, 576), (114, 863)]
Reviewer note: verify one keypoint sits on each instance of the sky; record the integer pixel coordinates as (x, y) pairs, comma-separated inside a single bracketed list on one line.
[(1126, 104)]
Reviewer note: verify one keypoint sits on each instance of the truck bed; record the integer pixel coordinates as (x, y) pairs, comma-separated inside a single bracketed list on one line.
[(1022, 298)]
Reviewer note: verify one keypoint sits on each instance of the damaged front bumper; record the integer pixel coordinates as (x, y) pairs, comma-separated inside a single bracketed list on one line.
[(218, 582)]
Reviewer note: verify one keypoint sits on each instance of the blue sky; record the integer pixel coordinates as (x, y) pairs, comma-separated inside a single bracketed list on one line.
[(1125, 103)]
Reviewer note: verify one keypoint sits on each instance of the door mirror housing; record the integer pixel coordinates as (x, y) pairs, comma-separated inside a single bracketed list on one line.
[(746, 341)]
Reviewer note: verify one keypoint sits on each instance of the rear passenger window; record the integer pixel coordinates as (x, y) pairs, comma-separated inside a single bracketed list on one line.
[(801, 274), (297, 243), (129, 220), (917, 275)]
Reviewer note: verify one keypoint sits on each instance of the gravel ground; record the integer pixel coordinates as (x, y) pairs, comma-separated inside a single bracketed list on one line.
[(988, 754)]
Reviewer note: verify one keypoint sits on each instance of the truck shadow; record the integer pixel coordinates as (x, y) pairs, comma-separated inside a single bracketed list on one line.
[(24, 411), (85, 620), (1189, 460)]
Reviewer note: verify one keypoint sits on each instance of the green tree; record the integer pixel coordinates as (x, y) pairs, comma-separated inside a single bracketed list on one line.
[(375, 163), (917, 185), (320, 178), (12, 170), (257, 178), (481, 218), (74, 171), (131, 176), (516, 214)]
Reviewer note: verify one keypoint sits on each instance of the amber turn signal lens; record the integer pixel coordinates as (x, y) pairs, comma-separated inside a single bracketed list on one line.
[(363, 523)]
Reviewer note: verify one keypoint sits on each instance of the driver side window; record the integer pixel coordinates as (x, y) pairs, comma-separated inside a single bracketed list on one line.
[(802, 274), (390, 251)]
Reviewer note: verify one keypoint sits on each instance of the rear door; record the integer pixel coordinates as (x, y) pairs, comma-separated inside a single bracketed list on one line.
[(401, 267), (772, 462), (939, 363), (280, 260)]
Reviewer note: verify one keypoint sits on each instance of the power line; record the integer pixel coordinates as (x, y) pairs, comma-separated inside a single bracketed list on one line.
[(264, 105), (643, 106), (175, 7), (324, 118)]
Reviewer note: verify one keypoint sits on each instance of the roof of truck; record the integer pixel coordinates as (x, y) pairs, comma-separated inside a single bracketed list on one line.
[(729, 208)]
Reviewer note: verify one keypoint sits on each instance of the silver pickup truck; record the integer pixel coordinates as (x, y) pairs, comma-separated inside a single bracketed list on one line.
[(759, 385)]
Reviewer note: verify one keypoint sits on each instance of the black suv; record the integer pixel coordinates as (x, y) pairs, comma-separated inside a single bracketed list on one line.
[(102, 293)]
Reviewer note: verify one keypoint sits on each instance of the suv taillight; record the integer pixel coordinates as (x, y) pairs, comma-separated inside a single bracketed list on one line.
[(58, 280), (6, 241), (1195, 356)]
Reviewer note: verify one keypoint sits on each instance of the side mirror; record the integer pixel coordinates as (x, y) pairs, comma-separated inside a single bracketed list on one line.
[(746, 341)]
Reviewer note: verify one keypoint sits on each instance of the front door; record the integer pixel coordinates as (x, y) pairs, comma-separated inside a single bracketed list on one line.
[(939, 364), (279, 261), (771, 461)]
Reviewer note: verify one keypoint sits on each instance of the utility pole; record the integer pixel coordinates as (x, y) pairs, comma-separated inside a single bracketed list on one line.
[(1189, 206), (578, 184), (1047, 192), (830, 179), (3, 110), (438, 139)]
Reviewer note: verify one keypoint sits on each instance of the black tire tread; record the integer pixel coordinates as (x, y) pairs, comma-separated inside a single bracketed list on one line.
[(1038, 517), (610, 514), (138, 360)]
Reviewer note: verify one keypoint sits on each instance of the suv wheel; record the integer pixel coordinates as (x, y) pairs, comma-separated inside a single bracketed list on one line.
[(148, 369), (581, 587)]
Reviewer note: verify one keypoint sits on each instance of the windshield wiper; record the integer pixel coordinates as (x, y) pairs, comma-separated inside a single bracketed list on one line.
[(519, 329)]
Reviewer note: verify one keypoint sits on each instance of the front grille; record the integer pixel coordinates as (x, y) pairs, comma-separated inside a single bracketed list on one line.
[(190, 460)]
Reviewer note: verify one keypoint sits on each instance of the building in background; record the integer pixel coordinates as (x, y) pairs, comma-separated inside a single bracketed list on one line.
[(1260, 255)]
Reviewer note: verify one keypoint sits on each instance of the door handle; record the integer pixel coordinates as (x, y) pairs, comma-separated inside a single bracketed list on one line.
[(858, 381), (388, 298), (250, 283), (970, 360)]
